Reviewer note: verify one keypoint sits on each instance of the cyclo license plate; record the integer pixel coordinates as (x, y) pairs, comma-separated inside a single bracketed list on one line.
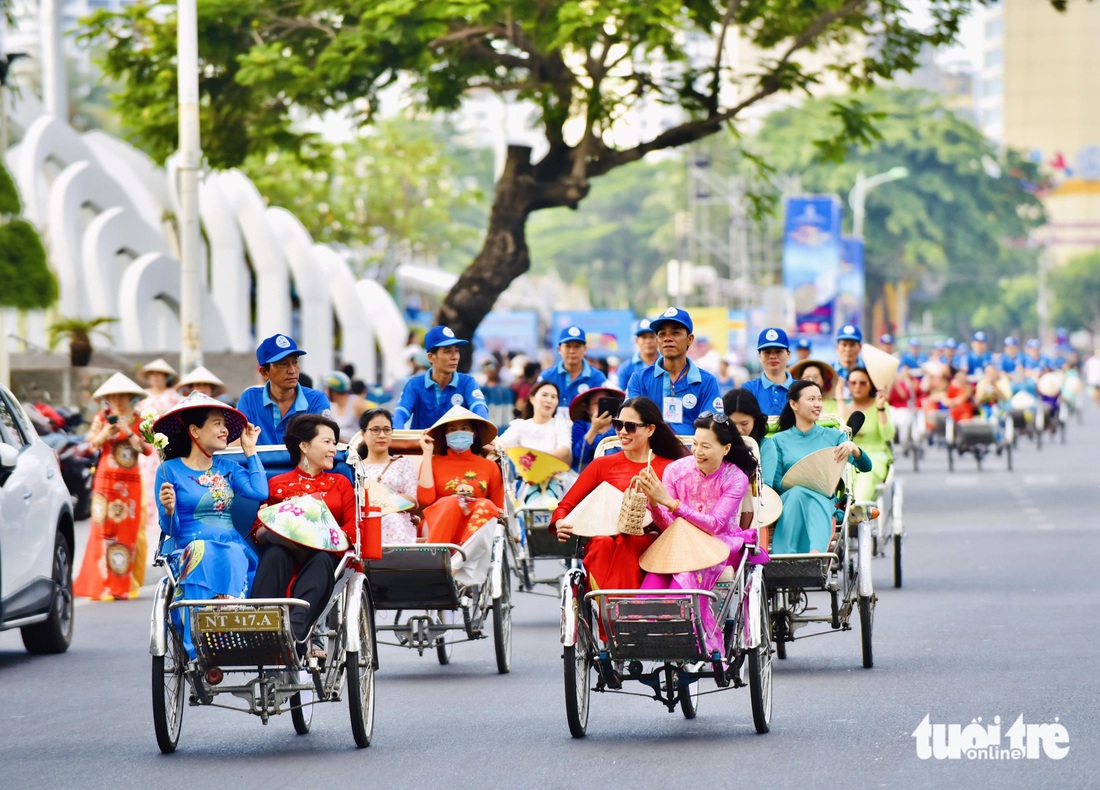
[(239, 620), (541, 518)]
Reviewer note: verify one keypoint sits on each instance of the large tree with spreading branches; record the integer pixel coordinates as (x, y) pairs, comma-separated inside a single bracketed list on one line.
[(586, 66)]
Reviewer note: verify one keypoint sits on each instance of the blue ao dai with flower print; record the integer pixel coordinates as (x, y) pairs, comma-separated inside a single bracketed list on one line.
[(209, 556)]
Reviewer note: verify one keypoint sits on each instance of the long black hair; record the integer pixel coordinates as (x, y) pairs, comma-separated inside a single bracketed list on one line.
[(664, 441), (794, 394), (180, 446), (741, 401), (739, 454), (529, 408), (304, 428)]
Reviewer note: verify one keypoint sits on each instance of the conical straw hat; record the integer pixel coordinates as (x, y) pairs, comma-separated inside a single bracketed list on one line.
[(819, 471), (486, 431), (1050, 384), (172, 426), (828, 372), (201, 375), (771, 506), (119, 384), (881, 367), (534, 466), (683, 547), (597, 513), (305, 521), (158, 365)]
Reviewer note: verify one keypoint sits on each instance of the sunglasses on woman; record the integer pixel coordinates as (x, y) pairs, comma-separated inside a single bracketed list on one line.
[(627, 425)]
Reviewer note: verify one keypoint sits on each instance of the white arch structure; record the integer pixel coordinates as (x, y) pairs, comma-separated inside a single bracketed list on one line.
[(104, 209)]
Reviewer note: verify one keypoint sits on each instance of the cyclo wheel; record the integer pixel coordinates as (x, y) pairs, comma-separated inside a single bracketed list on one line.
[(577, 662), (689, 700), (897, 561), (760, 672), (502, 619), (301, 716), (866, 617), (360, 668), (168, 690), (444, 647)]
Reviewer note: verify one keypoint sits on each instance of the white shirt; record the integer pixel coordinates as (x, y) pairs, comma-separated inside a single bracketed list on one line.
[(1092, 370), (548, 437)]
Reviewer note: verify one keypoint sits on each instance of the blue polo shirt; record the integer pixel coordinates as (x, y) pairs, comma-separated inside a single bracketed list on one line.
[(423, 402), (696, 389), (975, 363), (911, 360), (629, 368), (570, 388), (256, 404), (772, 397)]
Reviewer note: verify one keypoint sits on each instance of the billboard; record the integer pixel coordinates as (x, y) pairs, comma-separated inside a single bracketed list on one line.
[(508, 330), (608, 331), (811, 261)]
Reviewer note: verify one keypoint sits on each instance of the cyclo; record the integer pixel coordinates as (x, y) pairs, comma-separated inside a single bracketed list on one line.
[(415, 582), (842, 572), (657, 639), (528, 504), (245, 649)]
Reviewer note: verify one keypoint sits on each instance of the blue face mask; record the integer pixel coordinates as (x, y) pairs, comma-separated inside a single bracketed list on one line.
[(460, 441)]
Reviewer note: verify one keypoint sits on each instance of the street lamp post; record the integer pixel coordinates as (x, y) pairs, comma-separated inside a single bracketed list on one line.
[(187, 45), (857, 198)]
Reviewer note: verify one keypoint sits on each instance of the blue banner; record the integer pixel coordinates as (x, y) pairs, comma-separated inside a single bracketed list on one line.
[(608, 331), (811, 261), (508, 330), (850, 284)]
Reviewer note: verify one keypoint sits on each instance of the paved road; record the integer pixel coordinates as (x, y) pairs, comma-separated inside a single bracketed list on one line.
[(997, 618)]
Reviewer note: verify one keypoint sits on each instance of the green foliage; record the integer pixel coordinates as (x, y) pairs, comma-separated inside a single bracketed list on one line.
[(1012, 311), (1076, 289), (948, 225), (10, 204), (394, 190), (28, 283), (622, 238), (78, 329), (582, 63)]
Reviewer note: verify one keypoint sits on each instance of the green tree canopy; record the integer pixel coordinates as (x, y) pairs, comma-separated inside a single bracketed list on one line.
[(392, 190), (1076, 289), (28, 282), (586, 65), (945, 232)]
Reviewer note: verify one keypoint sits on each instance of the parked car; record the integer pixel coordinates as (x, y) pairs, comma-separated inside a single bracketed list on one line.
[(36, 536)]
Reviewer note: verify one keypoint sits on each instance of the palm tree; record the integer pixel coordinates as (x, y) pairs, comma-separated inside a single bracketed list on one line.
[(78, 331)]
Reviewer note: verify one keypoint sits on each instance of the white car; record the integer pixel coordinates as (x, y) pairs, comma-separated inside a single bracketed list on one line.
[(36, 536)]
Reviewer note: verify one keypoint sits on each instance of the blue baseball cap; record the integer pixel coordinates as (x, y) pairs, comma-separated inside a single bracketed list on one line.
[(1033, 342), (1011, 341), (277, 347), (951, 343), (914, 342), (980, 337), (849, 332), (643, 328), (937, 346), (439, 336), (803, 343), (773, 337), (673, 315), (572, 334), (886, 339)]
